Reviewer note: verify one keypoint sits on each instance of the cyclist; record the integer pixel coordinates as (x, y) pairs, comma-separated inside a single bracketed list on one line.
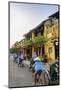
[(38, 67)]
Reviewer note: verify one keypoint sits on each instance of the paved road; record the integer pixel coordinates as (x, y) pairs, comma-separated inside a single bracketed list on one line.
[(19, 76)]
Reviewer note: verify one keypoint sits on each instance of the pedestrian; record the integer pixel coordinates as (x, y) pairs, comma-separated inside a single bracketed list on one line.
[(34, 55), (33, 71), (47, 70)]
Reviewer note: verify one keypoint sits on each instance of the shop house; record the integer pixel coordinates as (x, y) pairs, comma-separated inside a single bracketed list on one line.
[(51, 33)]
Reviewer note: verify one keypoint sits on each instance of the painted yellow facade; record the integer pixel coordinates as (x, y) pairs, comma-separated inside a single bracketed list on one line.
[(49, 29), (51, 33), (33, 48)]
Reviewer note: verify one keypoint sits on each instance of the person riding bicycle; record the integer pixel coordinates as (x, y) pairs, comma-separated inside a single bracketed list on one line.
[(21, 58), (38, 67)]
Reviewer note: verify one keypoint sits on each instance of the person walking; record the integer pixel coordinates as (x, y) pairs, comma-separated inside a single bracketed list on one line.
[(46, 70)]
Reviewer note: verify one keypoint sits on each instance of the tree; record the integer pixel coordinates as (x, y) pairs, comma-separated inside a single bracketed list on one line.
[(39, 40), (28, 43), (13, 50), (16, 44)]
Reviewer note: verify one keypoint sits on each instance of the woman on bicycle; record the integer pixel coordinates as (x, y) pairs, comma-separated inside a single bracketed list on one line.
[(38, 67)]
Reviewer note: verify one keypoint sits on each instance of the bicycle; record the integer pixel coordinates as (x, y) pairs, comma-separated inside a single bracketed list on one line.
[(20, 63), (38, 80)]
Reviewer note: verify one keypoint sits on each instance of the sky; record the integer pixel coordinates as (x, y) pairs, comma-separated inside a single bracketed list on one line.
[(24, 17)]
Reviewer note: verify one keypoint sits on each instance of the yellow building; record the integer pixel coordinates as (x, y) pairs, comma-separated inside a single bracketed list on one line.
[(51, 33), (37, 31), (48, 29)]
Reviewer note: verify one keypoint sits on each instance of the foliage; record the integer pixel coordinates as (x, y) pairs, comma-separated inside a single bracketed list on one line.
[(39, 40), (28, 43), (16, 44), (13, 50)]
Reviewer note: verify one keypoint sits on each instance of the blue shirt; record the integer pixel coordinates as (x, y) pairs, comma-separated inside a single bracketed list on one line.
[(38, 66)]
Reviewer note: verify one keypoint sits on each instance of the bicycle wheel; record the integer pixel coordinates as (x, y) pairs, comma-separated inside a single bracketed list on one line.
[(46, 78)]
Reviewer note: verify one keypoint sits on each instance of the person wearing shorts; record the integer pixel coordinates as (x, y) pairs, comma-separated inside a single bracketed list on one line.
[(38, 67)]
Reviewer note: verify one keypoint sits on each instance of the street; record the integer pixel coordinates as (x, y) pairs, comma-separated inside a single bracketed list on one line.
[(19, 76)]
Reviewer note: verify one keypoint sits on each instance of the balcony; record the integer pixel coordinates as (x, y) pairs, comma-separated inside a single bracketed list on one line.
[(37, 41), (27, 43)]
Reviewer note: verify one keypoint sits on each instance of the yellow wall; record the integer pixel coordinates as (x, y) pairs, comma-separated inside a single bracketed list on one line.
[(51, 32), (51, 55), (33, 48), (33, 35)]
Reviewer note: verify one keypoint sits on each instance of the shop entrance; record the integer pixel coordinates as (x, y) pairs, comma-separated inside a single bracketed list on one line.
[(29, 52)]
